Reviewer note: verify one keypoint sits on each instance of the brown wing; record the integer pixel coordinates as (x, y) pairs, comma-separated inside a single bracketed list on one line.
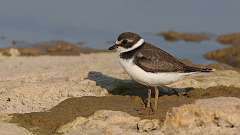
[(153, 59)]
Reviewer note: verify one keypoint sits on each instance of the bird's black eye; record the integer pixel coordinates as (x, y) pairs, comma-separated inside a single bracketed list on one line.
[(124, 41)]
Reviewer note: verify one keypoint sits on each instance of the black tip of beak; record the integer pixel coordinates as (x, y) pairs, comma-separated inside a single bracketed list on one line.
[(112, 47)]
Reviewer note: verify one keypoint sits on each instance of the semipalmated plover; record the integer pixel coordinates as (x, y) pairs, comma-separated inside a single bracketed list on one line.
[(149, 65)]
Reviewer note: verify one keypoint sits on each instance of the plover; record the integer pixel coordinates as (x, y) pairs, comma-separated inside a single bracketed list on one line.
[(149, 65)]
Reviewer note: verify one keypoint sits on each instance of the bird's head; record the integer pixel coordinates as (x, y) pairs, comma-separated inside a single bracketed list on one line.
[(127, 41)]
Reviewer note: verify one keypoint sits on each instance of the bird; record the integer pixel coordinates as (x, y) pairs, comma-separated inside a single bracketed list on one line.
[(149, 65)]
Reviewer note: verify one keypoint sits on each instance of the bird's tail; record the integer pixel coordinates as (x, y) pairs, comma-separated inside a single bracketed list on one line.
[(198, 69)]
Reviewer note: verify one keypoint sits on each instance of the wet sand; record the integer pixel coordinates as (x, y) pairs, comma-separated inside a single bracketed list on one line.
[(46, 123)]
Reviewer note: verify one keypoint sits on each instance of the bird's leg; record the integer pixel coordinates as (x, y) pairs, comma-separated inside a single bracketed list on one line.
[(149, 98), (156, 99)]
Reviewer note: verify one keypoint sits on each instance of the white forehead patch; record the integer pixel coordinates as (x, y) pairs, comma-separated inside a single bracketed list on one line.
[(121, 49), (118, 42)]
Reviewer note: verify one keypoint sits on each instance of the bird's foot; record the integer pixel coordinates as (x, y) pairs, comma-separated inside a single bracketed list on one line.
[(149, 111)]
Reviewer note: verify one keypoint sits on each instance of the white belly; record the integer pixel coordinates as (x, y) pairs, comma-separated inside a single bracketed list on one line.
[(148, 78)]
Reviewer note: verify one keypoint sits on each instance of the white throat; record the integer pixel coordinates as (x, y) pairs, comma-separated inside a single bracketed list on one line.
[(139, 43)]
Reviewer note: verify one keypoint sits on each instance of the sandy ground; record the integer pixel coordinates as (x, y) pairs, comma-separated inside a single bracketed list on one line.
[(38, 83), (30, 84), (44, 93)]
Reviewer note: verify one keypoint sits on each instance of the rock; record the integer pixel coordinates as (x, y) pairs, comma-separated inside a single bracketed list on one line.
[(5, 117), (12, 129), (212, 116), (219, 115), (14, 52), (71, 125), (146, 125), (229, 39), (106, 122), (188, 37), (229, 55)]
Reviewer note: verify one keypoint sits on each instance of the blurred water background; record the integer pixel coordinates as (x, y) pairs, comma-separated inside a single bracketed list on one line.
[(97, 22)]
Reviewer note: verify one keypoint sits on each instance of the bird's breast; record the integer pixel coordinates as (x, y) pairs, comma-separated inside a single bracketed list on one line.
[(148, 78), (133, 70)]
